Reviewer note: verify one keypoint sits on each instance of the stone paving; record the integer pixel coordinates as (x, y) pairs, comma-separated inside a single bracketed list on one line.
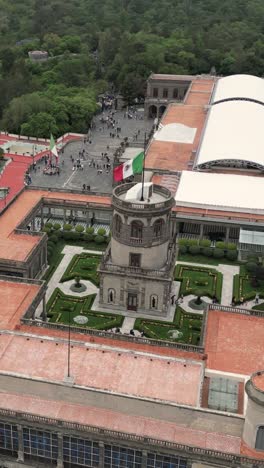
[(101, 142)]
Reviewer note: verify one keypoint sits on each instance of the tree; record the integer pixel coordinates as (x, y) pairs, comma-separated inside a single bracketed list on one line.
[(40, 125)]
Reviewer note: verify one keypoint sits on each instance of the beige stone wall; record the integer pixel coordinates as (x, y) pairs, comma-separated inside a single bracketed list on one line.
[(152, 257), (254, 419), (144, 288)]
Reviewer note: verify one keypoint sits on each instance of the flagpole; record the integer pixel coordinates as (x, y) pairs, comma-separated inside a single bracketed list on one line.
[(143, 172)]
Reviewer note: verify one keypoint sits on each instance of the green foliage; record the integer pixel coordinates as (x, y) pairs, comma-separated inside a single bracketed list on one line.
[(101, 232), (182, 249), (56, 226), (79, 228), (204, 243), (194, 249), (231, 254), (218, 253), (231, 246), (90, 230), (67, 227), (207, 251), (251, 266), (221, 245), (53, 238), (49, 225), (99, 239)]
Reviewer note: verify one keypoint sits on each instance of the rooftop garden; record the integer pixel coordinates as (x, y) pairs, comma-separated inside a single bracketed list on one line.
[(249, 283), (185, 328), (193, 278), (84, 266), (60, 307), (201, 251)]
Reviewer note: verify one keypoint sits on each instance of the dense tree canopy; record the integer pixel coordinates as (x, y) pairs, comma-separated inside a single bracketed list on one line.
[(114, 44)]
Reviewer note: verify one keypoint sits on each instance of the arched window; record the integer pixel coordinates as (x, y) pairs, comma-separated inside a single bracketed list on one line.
[(260, 438), (153, 301), (158, 227), (136, 229), (117, 224), (111, 295)]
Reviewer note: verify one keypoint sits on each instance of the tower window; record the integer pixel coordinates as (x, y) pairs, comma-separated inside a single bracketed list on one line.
[(136, 229), (260, 438), (135, 260), (165, 92), (158, 227), (117, 224), (155, 92)]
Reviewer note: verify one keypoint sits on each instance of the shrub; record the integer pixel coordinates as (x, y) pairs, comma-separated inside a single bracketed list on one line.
[(88, 237), (205, 243), (56, 226), (101, 232), (51, 244), (194, 249), (218, 253), (53, 239), (183, 242), (47, 230), (207, 251), (90, 230), (221, 245), (251, 267), (67, 227), (67, 235), (231, 254), (75, 235), (79, 228), (182, 249), (49, 225), (231, 246), (99, 239), (193, 242)]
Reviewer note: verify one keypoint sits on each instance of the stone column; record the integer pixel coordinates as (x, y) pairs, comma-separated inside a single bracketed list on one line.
[(144, 459), (41, 218), (101, 454), (44, 312), (60, 451), (201, 231), (20, 452), (227, 234), (64, 215)]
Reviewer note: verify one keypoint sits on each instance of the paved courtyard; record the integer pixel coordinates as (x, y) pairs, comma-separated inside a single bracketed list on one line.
[(101, 142)]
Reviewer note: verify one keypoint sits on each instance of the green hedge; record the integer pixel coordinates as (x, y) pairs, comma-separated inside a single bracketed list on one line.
[(189, 283), (202, 247)]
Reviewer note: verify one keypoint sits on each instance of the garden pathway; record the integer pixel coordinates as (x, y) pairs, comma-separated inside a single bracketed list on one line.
[(69, 251), (228, 272)]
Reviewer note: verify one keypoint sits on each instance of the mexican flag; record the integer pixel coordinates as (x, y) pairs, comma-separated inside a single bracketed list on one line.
[(53, 148), (129, 168)]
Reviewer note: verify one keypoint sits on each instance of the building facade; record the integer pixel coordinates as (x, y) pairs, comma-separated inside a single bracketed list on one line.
[(137, 270)]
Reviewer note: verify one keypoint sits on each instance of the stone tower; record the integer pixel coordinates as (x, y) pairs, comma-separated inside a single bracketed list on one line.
[(136, 272), (253, 433)]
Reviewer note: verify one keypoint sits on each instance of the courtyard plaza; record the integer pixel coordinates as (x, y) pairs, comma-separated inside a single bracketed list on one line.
[(131, 320), (89, 151)]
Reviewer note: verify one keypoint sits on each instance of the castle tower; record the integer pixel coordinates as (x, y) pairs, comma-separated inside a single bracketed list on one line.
[(136, 272), (253, 433)]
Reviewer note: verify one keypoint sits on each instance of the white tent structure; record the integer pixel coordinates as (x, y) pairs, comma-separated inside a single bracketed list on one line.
[(246, 87), (221, 192)]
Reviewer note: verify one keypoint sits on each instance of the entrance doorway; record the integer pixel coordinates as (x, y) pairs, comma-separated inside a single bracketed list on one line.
[(132, 301)]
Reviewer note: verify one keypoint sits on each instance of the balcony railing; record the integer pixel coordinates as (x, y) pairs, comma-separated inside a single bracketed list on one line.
[(148, 237), (133, 205)]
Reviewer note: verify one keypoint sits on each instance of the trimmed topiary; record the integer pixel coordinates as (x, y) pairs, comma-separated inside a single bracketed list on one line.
[(46, 229), (231, 246), (67, 227), (99, 239), (51, 244), (194, 249), (53, 239), (221, 245), (231, 254), (218, 253), (207, 251), (101, 232), (182, 249), (90, 230), (49, 225), (88, 237), (57, 226), (251, 267), (79, 228), (183, 242), (204, 243), (193, 242)]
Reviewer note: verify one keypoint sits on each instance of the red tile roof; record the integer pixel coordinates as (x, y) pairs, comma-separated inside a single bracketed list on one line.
[(15, 298), (234, 342)]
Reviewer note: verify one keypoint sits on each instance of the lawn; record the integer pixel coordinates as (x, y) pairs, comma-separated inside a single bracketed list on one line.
[(59, 306), (207, 280), (203, 260), (189, 326), (83, 265), (57, 255), (243, 289), (259, 307)]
